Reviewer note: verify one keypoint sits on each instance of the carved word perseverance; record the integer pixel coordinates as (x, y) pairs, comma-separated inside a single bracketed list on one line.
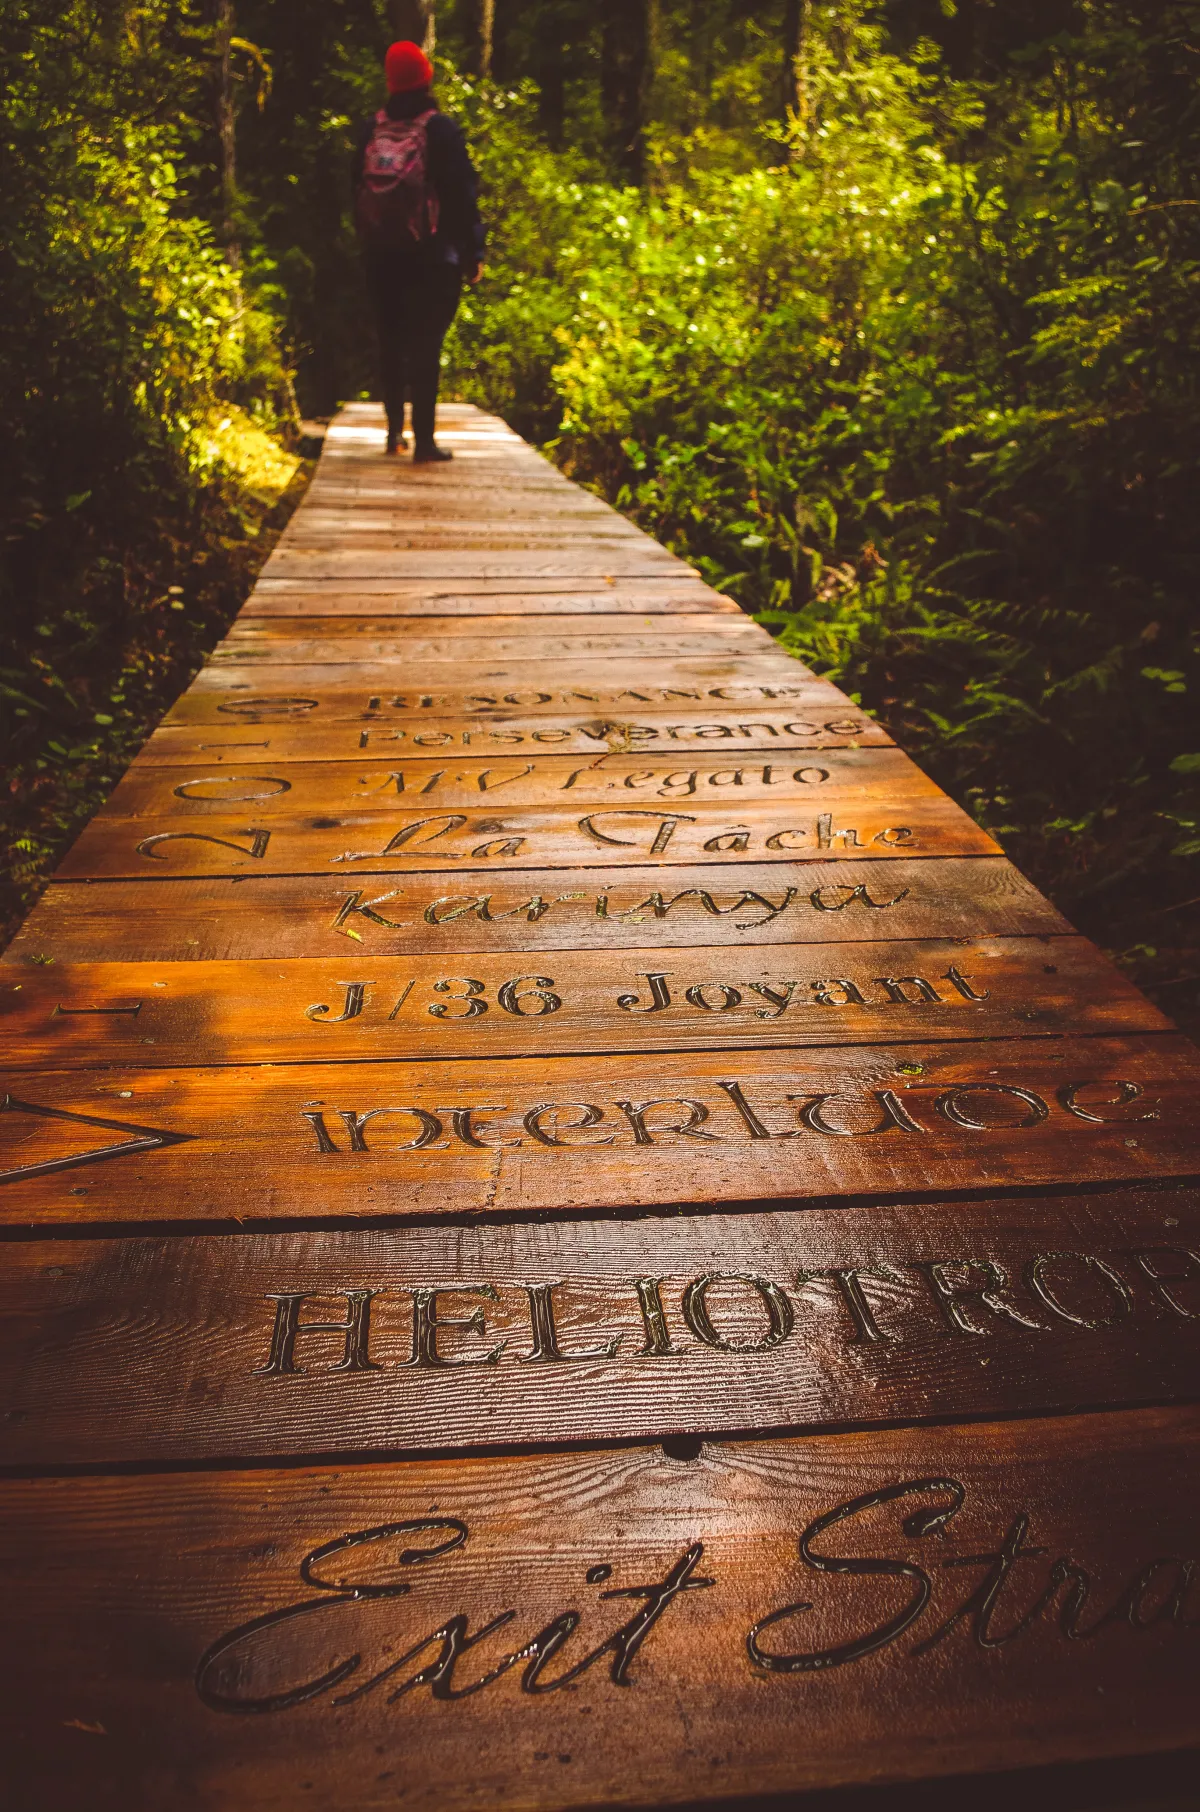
[(1014, 1583), (616, 736), (876, 1302), (970, 1107)]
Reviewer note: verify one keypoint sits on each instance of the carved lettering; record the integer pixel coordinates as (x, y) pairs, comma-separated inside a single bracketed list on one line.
[(355, 1329)]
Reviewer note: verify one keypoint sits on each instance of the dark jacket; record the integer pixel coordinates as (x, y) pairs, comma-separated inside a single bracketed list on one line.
[(460, 236)]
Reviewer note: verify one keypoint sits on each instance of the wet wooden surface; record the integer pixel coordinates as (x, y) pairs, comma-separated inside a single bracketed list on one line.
[(470, 1136), (431, 1338), (609, 1626), (378, 734), (206, 920), (509, 1012), (705, 998)]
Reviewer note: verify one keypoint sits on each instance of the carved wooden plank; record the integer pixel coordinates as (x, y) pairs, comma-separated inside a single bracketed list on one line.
[(264, 696), (206, 920), (406, 841), (388, 734), (698, 777), (367, 1139), (384, 1007), (324, 1635), (735, 673), (431, 1338)]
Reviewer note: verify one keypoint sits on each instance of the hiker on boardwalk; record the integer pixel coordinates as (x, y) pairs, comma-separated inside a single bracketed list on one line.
[(415, 203)]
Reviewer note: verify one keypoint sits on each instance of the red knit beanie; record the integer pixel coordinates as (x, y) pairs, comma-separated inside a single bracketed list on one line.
[(406, 66)]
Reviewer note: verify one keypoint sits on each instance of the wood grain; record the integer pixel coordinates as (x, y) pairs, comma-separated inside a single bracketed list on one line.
[(530, 597), (533, 1133), (133, 1591), (513, 1008), (315, 566), (443, 692), (216, 919), (192, 1349), (389, 1008), (730, 677), (503, 840), (387, 734), (427, 780)]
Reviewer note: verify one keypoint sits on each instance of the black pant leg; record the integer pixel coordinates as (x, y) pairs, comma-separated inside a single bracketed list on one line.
[(390, 287), (436, 296)]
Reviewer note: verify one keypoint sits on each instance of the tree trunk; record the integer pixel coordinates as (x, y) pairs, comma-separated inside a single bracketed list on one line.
[(795, 42), (415, 20), (227, 130), (487, 37), (625, 70)]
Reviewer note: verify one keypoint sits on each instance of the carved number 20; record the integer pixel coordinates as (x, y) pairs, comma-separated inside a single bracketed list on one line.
[(526, 996)]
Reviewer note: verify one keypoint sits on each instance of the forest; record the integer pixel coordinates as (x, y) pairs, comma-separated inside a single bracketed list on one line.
[(882, 312)]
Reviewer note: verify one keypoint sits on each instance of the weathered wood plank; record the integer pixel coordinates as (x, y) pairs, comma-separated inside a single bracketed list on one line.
[(206, 920), (529, 597), (444, 690), (333, 641), (276, 1637), (272, 1345), (371, 1139), (735, 673), (344, 567), (427, 781), (384, 1007), (409, 841), (380, 735)]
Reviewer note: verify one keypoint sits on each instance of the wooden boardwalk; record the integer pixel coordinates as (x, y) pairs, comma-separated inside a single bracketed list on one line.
[(576, 1234)]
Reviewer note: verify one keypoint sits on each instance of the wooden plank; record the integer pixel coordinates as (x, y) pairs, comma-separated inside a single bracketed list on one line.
[(206, 920), (348, 567), (294, 740), (297, 1636), (462, 842), (486, 626), (244, 648), (366, 1139), (699, 777), (590, 1331), (450, 691), (387, 1008), (734, 673), (529, 597)]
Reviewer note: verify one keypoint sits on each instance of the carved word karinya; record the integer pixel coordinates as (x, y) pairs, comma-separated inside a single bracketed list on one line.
[(652, 991), (728, 1114), (882, 1600), (876, 1302), (748, 909)]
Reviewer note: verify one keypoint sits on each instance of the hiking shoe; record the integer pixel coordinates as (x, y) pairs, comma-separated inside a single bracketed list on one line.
[(431, 455), (394, 443)]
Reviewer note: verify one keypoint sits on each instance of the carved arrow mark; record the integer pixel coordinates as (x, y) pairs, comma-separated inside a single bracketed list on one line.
[(150, 1138)]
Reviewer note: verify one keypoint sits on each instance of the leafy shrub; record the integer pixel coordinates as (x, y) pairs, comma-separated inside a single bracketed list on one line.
[(922, 397)]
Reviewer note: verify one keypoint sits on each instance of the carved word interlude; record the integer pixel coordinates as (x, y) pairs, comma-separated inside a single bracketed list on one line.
[(920, 1110)]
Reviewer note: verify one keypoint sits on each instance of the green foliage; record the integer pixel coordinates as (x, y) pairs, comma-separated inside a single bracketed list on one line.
[(921, 394), (130, 352)]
